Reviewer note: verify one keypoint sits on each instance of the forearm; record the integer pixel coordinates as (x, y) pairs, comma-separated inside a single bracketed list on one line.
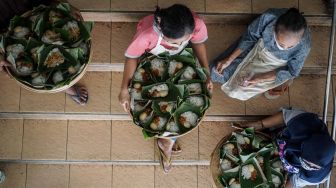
[(273, 121), (235, 54), (268, 76), (200, 53), (129, 69)]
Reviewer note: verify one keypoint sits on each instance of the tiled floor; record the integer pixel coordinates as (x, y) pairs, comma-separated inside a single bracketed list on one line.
[(121, 140), (106, 176), (97, 140), (311, 7)]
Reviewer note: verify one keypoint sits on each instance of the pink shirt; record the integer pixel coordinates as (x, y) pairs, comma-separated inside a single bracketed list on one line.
[(147, 36)]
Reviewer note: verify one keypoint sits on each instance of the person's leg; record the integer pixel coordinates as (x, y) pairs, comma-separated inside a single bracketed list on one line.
[(222, 78), (78, 93), (227, 73), (165, 147)]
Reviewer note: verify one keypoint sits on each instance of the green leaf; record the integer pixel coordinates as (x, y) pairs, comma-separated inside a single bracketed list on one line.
[(64, 7), (147, 135), (85, 30)]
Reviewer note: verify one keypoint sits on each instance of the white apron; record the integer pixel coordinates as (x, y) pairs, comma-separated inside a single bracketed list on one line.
[(257, 61), (158, 49)]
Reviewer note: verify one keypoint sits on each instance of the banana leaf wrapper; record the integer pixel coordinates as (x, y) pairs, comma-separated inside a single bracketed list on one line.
[(174, 92)]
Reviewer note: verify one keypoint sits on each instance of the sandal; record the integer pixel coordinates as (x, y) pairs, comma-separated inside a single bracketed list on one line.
[(176, 151), (165, 161), (78, 97)]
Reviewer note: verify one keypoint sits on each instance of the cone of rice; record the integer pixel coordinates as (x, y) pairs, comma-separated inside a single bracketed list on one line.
[(162, 102), (49, 49), (247, 159)]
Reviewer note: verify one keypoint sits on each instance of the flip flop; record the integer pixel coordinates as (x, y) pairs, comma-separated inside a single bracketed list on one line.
[(77, 97), (176, 151), (164, 159)]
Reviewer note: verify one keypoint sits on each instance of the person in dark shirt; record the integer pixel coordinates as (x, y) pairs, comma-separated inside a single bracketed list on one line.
[(305, 146), (10, 8)]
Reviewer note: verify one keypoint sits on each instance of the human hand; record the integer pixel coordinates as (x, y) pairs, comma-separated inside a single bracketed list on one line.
[(124, 99), (223, 64)]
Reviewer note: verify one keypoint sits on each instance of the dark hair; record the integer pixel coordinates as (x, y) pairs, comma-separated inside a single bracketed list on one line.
[(175, 21), (292, 21)]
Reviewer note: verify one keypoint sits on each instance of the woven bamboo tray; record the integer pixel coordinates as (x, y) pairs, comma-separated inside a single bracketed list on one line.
[(55, 90), (215, 157)]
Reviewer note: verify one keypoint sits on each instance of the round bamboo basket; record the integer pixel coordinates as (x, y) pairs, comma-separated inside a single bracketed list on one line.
[(55, 90), (215, 157)]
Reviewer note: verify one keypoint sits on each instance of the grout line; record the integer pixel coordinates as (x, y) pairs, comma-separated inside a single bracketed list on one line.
[(20, 100), (23, 128), (199, 143), (65, 95), (26, 175), (112, 176), (205, 7), (197, 175), (154, 173), (67, 139), (69, 177), (111, 139), (251, 6)]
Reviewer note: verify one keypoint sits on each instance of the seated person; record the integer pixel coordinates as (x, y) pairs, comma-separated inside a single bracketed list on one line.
[(268, 56), (305, 147)]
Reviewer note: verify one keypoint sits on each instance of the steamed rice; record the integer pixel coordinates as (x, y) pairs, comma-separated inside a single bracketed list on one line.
[(166, 106), (54, 58), (196, 100), (138, 75), (15, 50), (174, 66), (158, 66), (276, 181), (21, 32), (57, 77), (136, 94), (194, 88), (73, 29), (247, 171), (158, 123), (226, 165), (188, 74), (159, 90), (172, 127), (233, 183), (228, 148), (138, 106), (188, 119)]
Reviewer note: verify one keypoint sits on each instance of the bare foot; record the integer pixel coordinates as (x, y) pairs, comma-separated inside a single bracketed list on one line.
[(79, 94)]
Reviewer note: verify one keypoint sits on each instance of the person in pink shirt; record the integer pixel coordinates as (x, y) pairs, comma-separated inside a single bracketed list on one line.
[(167, 30)]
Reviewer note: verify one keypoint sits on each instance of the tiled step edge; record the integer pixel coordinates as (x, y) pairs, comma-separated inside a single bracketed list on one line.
[(119, 67), (112, 162), (103, 116), (119, 162), (228, 18), (115, 117)]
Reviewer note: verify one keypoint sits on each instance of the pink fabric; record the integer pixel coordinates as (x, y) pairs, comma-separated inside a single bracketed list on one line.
[(146, 37)]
